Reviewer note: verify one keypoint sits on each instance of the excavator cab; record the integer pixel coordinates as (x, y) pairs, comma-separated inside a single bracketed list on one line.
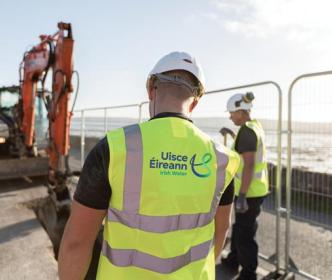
[(9, 100), (9, 96), (15, 160)]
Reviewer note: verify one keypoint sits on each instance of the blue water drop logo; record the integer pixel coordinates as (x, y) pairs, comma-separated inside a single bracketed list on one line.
[(203, 165)]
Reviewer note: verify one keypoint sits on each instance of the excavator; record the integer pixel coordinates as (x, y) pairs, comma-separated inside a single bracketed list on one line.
[(19, 155)]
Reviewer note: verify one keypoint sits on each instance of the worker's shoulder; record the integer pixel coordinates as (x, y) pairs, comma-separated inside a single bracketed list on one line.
[(102, 145), (246, 131), (200, 133), (97, 155), (118, 133)]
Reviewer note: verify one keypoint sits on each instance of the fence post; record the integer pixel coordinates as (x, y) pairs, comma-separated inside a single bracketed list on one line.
[(278, 178), (140, 110), (105, 120), (82, 138), (140, 113)]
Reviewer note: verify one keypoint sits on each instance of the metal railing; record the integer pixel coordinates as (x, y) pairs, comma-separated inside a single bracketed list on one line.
[(105, 124)]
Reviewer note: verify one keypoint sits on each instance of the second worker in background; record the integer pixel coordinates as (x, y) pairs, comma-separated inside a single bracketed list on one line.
[(251, 186)]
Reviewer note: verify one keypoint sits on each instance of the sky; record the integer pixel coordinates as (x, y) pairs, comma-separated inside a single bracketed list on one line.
[(118, 42)]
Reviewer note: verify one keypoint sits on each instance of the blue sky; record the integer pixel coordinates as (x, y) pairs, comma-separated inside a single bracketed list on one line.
[(118, 42)]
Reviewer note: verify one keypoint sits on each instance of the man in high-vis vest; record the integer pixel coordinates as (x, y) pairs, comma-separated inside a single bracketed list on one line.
[(162, 187), (251, 186)]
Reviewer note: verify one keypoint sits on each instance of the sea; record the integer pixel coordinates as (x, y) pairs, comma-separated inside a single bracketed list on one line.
[(310, 151)]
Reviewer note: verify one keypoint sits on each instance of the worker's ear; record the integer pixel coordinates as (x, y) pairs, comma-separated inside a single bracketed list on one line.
[(193, 104), (152, 93)]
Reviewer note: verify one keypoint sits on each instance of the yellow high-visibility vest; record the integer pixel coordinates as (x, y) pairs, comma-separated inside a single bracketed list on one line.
[(167, 178), (259, 185)]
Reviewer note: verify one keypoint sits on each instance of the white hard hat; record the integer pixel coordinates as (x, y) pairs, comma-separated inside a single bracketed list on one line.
[(178, 61), (240, 102)]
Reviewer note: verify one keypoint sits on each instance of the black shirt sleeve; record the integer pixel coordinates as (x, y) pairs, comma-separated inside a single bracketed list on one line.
[(246, 140), (228, 195), (93, 188)]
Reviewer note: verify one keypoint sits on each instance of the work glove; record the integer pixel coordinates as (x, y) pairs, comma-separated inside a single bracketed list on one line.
[(241, 205)]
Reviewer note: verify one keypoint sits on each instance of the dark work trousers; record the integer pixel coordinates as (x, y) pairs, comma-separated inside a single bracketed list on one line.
[(244, 248)]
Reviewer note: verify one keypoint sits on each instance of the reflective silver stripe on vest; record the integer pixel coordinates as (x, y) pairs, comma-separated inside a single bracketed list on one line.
[(160, 224), (131, 257), (132, 192), (222, 161), (134, 168)]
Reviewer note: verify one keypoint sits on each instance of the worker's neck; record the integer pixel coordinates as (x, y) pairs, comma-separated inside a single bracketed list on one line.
[(180, 109), (245, 119)]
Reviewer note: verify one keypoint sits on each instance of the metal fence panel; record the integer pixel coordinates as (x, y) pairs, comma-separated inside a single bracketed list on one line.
[(309, 174), (211, 115)]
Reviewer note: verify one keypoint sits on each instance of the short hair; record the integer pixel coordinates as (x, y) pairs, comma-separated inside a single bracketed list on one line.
[(182, 93)]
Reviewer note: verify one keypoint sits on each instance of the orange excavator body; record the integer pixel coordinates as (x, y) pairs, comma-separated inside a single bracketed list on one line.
[(55, 53)]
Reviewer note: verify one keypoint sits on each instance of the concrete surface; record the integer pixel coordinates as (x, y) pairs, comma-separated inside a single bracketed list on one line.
[(25, 249), (224, 273), (310, 245)]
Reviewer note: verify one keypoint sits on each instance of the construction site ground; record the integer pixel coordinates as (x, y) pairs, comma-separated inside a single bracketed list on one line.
[(26, 250)]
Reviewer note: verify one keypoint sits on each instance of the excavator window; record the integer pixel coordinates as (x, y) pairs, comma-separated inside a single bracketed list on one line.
[(8, 99)]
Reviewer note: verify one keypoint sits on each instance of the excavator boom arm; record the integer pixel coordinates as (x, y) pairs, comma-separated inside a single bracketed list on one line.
[(54, 52)]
